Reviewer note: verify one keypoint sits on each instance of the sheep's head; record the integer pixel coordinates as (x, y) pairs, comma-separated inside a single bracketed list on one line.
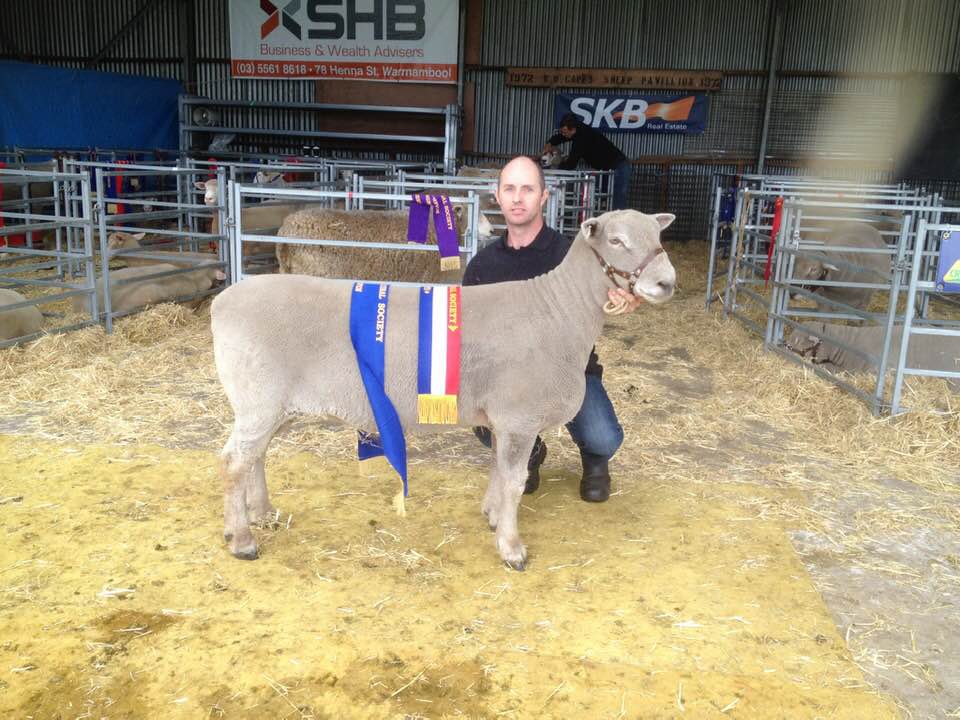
[(811, 269), (551, 159), (806, 341), (209, 190), (462, 216), (264, 177), (124, 241), (629, 242)]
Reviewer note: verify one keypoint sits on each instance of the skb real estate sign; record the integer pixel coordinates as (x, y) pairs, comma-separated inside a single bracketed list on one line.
[(636, 113), (385, 40)]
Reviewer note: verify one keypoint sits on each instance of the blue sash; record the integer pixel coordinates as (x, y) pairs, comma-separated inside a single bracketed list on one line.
[(368, 332)]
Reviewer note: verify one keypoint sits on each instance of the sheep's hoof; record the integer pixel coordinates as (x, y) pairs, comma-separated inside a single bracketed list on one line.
[(514, 555), (263, 515), (243, 545), (520, 565)]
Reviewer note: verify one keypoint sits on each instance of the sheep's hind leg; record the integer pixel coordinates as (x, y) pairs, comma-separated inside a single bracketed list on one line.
[(239, 462), (259, 508), (491, 498), (511, 470)]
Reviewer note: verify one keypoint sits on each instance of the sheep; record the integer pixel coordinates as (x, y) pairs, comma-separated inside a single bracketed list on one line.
[(834, 266), (373, 264), (131, 241), (282, 348), (266, 216), (929, 352), (19, 321), (151, 290), (551, 159)]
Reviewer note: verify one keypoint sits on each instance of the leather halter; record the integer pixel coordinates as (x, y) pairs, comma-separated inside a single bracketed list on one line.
[(630, 277)]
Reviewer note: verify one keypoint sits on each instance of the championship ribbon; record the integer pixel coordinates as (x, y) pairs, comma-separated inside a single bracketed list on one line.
[(368, 333), (438, 356), (422, 206)]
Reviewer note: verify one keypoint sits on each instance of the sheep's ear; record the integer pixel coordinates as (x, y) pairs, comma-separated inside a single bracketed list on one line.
[(664, 219), (139, 236), (831, 267), (200, 185), (220, 274), (590, 227)]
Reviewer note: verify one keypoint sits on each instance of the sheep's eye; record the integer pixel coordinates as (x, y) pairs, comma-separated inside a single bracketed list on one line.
[(616, 241)]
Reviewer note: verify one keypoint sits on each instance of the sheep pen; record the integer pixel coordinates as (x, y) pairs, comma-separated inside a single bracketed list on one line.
[(771, 548)]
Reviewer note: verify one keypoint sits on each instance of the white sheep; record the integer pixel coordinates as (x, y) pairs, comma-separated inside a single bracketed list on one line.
[(263, 217), (19, 321), (282, 348), (374, 264), (146, 290), (836, 266), (131, 241), (815, 340)]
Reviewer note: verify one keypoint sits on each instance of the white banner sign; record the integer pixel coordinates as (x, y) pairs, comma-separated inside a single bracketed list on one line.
[(391, 40)]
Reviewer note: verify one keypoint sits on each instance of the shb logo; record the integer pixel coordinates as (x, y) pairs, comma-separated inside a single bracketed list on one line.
[(276, 17)]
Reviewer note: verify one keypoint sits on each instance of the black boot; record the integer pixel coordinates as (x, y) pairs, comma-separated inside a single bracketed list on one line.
[(595, 484), (537, 456)]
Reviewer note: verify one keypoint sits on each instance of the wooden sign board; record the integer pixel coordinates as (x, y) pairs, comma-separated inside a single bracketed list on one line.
[(613, 78)]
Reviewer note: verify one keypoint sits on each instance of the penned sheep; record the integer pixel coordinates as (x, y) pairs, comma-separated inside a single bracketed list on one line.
[(19, 321), (818, 342), (373, 264), (263, 218), (282, 348), (117, 241), (835, 266), (147, 290)]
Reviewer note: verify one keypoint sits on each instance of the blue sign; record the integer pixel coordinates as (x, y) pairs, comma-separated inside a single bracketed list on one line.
[(664, 113), (948, 269)]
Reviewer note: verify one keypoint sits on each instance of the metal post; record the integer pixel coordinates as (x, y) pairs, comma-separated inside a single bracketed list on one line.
[(773, 61), (714, 230), (104, 252)]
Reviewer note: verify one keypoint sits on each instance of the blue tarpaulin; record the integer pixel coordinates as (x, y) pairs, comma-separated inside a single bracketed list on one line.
[(49, 107)]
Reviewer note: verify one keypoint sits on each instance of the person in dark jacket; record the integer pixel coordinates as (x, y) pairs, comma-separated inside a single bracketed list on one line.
[(598, 152), (529, 248)]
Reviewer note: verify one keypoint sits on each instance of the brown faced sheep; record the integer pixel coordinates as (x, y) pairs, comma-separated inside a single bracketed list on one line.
[(282, 348)]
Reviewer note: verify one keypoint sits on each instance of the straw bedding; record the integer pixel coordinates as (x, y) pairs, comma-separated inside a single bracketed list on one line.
[(711, 421)]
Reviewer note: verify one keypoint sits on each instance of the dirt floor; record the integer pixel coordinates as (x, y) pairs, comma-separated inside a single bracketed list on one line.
[(771, 550)]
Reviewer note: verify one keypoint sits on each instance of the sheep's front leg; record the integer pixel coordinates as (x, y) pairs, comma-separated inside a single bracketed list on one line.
[(510, 473)]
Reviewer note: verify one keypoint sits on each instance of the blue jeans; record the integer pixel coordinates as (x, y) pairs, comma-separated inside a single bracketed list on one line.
[(621, 184), (595, 429)]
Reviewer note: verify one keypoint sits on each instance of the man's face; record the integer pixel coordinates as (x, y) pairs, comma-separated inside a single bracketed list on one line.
[(568, 132), (520, 195)]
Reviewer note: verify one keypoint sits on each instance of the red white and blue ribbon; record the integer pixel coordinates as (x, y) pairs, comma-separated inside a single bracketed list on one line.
[(438, 358), (422, 207)]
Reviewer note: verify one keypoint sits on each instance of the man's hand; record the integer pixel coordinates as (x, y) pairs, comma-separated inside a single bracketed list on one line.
[(620, 297)]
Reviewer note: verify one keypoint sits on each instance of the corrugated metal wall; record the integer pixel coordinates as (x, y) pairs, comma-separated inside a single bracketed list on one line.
[(818, 109)]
